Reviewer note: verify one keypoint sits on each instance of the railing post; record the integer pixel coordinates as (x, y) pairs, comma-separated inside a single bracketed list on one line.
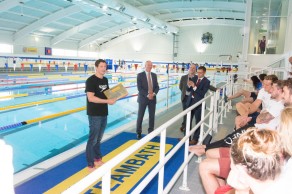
[(186, 154), (231, 90), (202, 125), (106, 182), (225, 107), (161, 160), (221, 108), (216, 109), (211, 109)]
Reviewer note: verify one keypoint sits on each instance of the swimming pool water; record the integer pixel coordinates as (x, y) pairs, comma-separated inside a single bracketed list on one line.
[(39, 141)]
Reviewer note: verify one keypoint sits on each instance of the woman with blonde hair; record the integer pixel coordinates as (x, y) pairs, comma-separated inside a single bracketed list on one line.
[(256, 160), (285, 130), (283, 184)]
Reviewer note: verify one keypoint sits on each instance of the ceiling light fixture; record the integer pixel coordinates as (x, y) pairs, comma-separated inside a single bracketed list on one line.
[(104, 7), (122, 8)]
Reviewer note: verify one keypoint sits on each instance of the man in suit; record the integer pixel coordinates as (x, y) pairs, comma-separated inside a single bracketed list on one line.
[(147, 90), (198, 87), (183, 86)]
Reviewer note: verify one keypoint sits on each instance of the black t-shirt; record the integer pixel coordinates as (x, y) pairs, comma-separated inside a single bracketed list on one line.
[(97, 86)]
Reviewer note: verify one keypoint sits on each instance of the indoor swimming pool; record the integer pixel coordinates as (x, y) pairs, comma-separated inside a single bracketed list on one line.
[(44, 115)]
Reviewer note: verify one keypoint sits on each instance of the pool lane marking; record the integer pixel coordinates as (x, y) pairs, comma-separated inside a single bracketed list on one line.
[(14, 96), (55, 115), (125, 175), (15, 125), (32, 103), (45, 101), (19, 124)]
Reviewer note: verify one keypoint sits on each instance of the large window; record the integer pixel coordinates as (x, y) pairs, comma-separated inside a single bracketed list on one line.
[(6, 48), (268, 26), (64, 52), (87, 54), (73, 53)]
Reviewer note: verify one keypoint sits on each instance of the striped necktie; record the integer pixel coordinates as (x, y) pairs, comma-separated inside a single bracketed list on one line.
[(150, 86)]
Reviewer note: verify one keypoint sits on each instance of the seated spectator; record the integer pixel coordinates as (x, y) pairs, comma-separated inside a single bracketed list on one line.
[(256, 160), (268, 118), (283, 183), (248, 96), (216, 164), (262, 101)]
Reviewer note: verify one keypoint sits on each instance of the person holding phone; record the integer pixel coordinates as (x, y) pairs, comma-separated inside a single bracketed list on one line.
[(183, 86)]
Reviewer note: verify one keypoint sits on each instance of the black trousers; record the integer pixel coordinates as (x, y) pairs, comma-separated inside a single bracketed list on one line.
[(183, 125), (195, 112), (151, 104)]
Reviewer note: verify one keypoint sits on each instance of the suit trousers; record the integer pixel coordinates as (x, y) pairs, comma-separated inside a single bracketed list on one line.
[(184, 106), (151, 104), (197, 113)]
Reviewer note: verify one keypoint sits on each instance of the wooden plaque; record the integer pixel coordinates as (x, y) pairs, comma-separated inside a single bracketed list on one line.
[(118, 91)]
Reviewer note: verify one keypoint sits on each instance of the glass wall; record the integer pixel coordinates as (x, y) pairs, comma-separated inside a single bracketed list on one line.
[(268, 26)]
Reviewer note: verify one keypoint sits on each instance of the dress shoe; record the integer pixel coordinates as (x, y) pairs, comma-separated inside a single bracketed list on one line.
[(139, 136), (182, 129), (193, 142)]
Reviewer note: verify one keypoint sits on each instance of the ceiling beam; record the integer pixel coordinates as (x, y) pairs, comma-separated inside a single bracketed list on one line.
[(236, 6), (44, 21), (79, 28), (8, 4), (212, 22), (120, 7), (203, 14), (102, 33), (124, 38)]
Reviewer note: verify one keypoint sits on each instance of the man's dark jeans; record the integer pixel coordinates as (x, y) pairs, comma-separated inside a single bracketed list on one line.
[(97, 125)]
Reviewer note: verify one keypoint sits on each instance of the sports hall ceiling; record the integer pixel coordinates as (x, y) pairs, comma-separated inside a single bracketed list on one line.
[(100, 21)]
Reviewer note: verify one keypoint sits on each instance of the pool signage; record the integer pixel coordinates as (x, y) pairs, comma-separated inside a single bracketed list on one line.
[(125, 175)]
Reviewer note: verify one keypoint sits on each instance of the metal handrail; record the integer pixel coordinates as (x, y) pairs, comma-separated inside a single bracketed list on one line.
[(104, 171)]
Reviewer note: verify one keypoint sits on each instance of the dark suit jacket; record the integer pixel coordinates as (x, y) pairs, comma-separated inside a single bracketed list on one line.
[(183, 85), (142, 86), (201, 90)]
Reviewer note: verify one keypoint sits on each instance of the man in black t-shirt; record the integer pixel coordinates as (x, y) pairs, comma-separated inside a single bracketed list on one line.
[(97, 111)]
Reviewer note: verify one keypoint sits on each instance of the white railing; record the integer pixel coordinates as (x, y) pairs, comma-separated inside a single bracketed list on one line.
[(104, 171), (280, 67)]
